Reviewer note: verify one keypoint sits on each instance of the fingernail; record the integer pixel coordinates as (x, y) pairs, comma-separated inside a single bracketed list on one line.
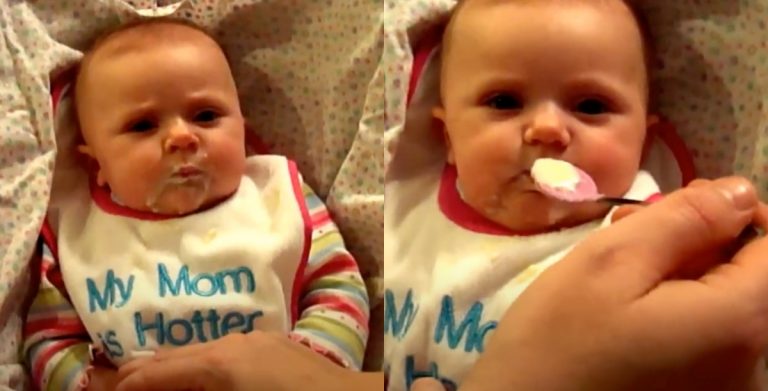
[(739, 191)]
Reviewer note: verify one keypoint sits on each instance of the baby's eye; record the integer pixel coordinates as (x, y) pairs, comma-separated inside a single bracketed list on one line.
[(206, 116), (505, 102), (592, 106), (141, 126)]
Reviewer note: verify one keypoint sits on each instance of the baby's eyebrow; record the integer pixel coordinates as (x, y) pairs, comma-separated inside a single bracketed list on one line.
[(133, 114), (602, 78), (210, 97), (613, 87), (500, 81)]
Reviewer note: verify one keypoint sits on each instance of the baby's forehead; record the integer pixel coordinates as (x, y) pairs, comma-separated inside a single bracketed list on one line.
[(469, 6), (462, 25), (142, 38), (146, 36), (105, 61), (470, 15)]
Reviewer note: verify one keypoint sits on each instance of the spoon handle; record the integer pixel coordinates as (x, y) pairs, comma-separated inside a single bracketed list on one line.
[(622, 201)]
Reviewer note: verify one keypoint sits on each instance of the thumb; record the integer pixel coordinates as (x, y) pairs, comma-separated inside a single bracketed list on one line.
[(427, 384), (624, 211), (646, 247)]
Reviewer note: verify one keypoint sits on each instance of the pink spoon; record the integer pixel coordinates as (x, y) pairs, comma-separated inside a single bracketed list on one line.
[(585, 189)]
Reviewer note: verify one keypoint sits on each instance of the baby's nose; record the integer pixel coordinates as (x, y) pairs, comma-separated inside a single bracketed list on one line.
[(180, 138), (547, 126)]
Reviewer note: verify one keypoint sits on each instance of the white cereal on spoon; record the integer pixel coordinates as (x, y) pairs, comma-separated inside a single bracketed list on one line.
[(564, 181)]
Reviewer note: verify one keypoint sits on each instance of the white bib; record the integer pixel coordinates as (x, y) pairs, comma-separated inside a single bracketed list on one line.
[(138, 285), (446, 286)]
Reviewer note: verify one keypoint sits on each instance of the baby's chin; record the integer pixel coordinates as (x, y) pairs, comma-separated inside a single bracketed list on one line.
[(172, 199), (532, 212), (176, 196), (177, 205)]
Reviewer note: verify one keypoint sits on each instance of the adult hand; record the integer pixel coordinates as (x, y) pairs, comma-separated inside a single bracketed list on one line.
[(256, 361), (427, 384), (102, 379), (626, 210), (608, 316)]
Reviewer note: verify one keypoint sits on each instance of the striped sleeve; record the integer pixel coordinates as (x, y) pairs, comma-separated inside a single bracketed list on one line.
[(334, 308), (56, 344)]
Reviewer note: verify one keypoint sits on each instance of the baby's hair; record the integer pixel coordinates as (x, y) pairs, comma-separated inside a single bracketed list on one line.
[(638, 16)]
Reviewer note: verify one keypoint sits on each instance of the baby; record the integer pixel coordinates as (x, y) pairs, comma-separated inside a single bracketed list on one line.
[(520, 80), (170, 235)]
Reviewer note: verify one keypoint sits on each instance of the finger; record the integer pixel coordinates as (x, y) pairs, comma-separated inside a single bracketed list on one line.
[(624, 211), (761, 218), (746, 276), (128, 368), (427, 384), (172, 375), (186, 350), (644, 248), (131, 366), (729, 297), (699, 182), (254, 340)]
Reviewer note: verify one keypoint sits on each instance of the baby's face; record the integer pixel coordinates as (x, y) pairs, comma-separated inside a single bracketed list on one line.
[(524, 80), (164, 124)]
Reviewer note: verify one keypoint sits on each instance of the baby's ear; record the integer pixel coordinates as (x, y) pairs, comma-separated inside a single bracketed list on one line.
[(85, 150), (91, 164), (438, 114)]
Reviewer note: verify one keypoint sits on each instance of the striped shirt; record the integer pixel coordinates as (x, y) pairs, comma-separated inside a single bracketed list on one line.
[(333, 319)]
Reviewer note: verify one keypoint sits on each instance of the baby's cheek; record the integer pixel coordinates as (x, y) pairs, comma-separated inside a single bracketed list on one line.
[(481, 186), (134, 180), (226, 152), (226, 171), (612, 171)]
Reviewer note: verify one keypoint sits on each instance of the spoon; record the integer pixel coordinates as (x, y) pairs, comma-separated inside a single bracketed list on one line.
[(563, 181)]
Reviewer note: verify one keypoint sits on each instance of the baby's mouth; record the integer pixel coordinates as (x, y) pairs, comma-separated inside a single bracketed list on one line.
[(189, 168), (523, 181), (187, 171), (187, 186)]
